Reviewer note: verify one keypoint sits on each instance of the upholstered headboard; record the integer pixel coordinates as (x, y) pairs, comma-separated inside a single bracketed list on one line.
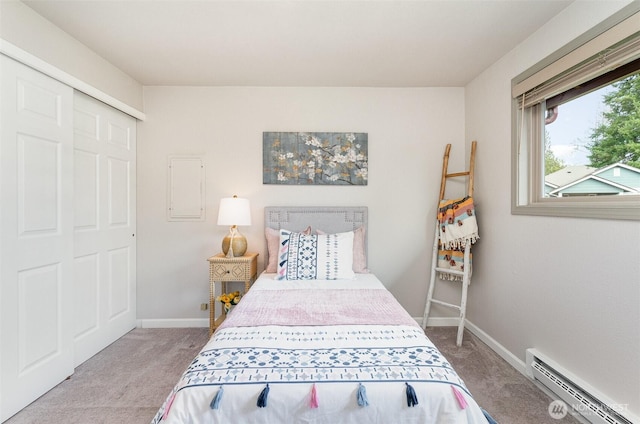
[(330, 219)]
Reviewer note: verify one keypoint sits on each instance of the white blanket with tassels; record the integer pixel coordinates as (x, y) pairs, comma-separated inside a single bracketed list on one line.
[(335, 359), (457, 223)]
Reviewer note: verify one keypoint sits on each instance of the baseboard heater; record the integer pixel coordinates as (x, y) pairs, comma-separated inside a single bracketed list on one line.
[(577, 395)]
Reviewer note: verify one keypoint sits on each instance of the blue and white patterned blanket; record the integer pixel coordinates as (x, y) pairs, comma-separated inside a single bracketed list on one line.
[(260, 365), (325, 364)]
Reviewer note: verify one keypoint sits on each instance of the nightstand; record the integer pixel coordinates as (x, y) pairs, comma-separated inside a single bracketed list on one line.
[(223, 269)]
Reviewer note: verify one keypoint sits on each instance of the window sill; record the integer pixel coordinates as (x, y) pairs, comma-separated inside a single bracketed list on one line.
[(620, 209)]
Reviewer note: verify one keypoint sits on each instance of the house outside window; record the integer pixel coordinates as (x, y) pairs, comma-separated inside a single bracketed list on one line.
[(576, 127)]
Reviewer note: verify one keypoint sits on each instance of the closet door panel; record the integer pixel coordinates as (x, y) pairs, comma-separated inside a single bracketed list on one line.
[(118, 187), (121, 153), (86, 191), (36, 243), (119, 283), (38, 294), (104, 243), (85, 293), (39, 178)]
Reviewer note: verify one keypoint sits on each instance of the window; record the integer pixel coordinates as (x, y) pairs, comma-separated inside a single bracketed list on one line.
[(576, 138)]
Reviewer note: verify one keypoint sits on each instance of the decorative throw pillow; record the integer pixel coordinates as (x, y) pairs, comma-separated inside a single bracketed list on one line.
[(359, 255), (273, 239), (315, 257)]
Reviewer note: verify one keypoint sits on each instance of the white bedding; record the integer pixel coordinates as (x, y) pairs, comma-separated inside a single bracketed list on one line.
[(335, 359)]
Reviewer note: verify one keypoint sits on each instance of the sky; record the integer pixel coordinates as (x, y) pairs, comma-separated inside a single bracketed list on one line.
[(576, 119)]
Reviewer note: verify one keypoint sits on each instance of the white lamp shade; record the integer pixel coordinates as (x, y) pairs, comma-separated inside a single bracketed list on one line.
[(234, 211)]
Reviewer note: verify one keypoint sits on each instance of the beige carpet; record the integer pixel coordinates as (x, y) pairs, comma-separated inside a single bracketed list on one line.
[(497, 387), (118, 385), (124, 384)]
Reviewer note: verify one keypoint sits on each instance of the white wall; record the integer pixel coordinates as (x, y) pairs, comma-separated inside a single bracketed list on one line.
[(407, 128), (569, 287), (24, 28)]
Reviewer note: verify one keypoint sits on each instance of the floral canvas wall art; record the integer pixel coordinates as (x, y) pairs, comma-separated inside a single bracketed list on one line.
[(320, 158)]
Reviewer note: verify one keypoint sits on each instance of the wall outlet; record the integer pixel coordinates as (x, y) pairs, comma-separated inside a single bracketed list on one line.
[(204, 306)]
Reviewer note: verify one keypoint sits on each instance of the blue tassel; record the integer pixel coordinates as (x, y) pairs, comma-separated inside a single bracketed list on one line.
[(412, 399), (262, 399), (362, 395), (215, 403)]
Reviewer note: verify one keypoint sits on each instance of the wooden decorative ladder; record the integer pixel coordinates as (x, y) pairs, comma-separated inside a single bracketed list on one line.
[(436, 272)]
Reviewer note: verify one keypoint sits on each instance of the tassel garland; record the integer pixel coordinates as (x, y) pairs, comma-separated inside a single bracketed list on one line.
[(460, 397), (215, 403), (262, 399), (412, 399), (362, 395), (314, 397)]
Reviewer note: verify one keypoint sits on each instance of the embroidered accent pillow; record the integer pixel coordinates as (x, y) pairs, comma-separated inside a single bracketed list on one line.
[(273, 240), (315, 257)]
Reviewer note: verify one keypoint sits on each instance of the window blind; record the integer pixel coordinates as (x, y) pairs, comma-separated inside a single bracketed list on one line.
[(611, 49)]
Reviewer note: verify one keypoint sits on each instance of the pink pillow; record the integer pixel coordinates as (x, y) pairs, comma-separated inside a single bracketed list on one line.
[(359, 256), (273, 240)]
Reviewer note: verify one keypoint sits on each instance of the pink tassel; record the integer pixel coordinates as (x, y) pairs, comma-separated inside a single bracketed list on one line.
[(168, 407), (314, 397), (460, 397)]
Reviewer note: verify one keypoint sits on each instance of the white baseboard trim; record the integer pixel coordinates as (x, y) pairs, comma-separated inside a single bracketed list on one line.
[(173, 323), (513, 360), (505, 354)]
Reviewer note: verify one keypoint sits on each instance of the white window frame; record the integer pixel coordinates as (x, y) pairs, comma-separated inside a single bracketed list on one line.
[(527, 176)]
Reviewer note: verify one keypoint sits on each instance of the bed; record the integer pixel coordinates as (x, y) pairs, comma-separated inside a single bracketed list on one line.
[(317, 342)]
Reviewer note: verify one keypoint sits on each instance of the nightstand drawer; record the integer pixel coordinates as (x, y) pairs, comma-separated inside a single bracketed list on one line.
[(232, 271)]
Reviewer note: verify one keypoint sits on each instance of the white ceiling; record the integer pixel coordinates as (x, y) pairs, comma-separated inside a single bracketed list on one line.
[(390, 43)]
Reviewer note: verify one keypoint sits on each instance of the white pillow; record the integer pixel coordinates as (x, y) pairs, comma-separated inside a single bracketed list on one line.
[(315, 257), (359, 255)]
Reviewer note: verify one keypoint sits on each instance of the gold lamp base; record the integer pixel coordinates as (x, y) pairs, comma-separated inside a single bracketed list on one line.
[(234, 244)]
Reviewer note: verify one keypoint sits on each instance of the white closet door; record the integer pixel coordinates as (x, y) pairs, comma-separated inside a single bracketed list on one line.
[(104, 225), (36, 242)]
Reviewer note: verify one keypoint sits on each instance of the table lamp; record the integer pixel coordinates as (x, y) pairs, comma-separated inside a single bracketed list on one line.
[(234, 211)]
